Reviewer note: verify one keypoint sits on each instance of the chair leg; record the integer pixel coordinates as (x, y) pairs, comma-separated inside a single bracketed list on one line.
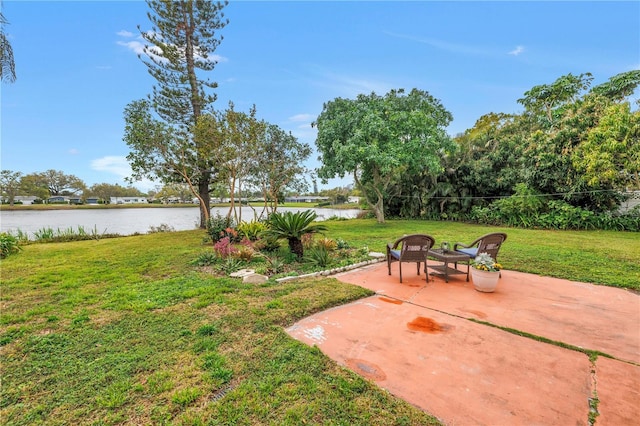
[(400, 267), (418, 267)]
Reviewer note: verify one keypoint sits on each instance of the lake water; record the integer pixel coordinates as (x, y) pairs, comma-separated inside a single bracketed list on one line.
[(128, 221)]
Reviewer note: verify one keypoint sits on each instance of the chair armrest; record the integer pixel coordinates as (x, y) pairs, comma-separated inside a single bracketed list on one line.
[(456, 245)]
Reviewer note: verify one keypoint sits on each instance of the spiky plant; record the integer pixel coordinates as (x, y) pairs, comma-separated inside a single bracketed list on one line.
[(293, 226)]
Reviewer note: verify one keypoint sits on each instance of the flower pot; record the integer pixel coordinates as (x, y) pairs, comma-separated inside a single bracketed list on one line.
[(484, 281)]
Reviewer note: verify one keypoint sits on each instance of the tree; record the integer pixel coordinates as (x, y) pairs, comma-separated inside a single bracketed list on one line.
[(545, 98), (278, 164), (10, 185), (59, 183), (381, 138), (181, 44), (51, 183), (105, 191), (7, 64), (610, 155)]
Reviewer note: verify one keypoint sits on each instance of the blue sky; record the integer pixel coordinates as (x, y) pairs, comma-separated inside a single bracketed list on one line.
[(77, 66)]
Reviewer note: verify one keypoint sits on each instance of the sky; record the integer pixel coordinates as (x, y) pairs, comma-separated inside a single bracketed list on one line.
[(77, 66)]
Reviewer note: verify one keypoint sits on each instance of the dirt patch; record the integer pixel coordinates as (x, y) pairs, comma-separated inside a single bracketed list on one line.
[(427, 325)]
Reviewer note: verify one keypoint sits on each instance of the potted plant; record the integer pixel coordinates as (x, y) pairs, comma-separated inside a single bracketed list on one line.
[(485, 273)]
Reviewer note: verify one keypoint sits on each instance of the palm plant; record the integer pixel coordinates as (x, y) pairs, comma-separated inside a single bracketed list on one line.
[(293, 226)]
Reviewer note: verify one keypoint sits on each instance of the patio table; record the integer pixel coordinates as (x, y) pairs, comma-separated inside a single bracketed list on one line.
[(447, 257)]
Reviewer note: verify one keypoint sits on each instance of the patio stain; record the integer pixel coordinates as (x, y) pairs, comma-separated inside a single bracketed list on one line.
[(476, 313), (394, 301), (366, 369), (427, 325)]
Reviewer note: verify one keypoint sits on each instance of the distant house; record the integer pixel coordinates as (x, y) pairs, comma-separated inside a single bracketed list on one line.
[(92, 200), (305, 199), (58, 199), (128, 200), (25, 199), (631, 202)]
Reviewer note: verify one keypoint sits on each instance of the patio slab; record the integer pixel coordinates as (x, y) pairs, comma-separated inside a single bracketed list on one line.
[(432, 344)]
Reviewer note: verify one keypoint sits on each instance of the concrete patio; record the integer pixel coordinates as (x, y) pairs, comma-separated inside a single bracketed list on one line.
[(456, 353)]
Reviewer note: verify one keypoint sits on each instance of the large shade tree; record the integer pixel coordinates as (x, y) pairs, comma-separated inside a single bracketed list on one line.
[(378, 139), (180, 50)]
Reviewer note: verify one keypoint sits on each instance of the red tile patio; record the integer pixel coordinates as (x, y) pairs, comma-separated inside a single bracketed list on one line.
[(438, 346)]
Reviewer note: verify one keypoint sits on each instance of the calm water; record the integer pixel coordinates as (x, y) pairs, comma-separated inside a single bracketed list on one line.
[(129, 220)]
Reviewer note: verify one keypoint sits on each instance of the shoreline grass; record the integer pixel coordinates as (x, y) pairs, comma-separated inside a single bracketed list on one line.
[(128, 331)]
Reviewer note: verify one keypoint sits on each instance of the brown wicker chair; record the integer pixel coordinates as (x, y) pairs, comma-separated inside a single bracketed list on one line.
[(489, 243), (410, 248)]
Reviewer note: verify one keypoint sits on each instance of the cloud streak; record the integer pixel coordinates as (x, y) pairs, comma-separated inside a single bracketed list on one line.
[(518, 50)]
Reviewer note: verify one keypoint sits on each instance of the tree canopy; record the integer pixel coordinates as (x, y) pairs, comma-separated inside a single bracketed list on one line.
[(380, 139)]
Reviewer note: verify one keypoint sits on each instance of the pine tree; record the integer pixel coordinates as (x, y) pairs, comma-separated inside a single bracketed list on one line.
[(180, 49)]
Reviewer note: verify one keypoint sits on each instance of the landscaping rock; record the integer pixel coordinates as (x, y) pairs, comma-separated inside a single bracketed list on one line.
[(242, 273), (254, 279)]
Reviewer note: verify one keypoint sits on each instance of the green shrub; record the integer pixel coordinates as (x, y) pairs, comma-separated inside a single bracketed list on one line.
[(251, 230), (8, 245), (292, 226), (318, 256), (218, 225)]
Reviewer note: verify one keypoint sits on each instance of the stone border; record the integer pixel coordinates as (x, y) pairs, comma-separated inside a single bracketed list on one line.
[(377, 258)]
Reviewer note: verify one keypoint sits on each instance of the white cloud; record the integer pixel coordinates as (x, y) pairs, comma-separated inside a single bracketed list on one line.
[(441, 44), (301, 117), (125, 33), (120, 167), (137, 46), (518, 50), (74, 151), (113, 164)]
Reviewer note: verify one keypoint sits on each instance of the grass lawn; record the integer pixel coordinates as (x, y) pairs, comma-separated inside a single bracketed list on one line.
[(127, 331)]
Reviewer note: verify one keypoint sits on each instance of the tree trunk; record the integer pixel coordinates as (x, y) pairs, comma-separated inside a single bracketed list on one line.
[(378, 209), (296, 247), (203, 191)]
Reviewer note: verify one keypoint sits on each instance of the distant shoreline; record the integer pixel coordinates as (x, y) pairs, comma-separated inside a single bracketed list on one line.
[(39, 207)]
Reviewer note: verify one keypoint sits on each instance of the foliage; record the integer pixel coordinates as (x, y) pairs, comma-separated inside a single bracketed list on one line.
[(555, 214), (380, 139), (48, 234), (485, 262), (7, 63), (206, 258), (327, 243), (251, 230), (610, 155), (231, 139), (8, 245), (277, 164), (292, 226), (160, 131), (9, 185), (51, 183), (318, 255), (163, 227), (217, 226), (223, 248)]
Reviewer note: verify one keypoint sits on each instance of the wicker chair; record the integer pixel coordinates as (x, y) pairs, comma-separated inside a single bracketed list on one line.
[(410, 248), (489, 243)]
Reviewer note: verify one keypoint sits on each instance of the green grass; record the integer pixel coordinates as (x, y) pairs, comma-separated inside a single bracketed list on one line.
[(602, 257), (128, 331)]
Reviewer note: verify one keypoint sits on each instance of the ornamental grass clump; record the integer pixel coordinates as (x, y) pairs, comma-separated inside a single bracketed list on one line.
[(485, 262)]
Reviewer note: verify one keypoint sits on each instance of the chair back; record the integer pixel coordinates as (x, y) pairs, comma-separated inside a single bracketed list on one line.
[(491, 243), (415, 247)]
